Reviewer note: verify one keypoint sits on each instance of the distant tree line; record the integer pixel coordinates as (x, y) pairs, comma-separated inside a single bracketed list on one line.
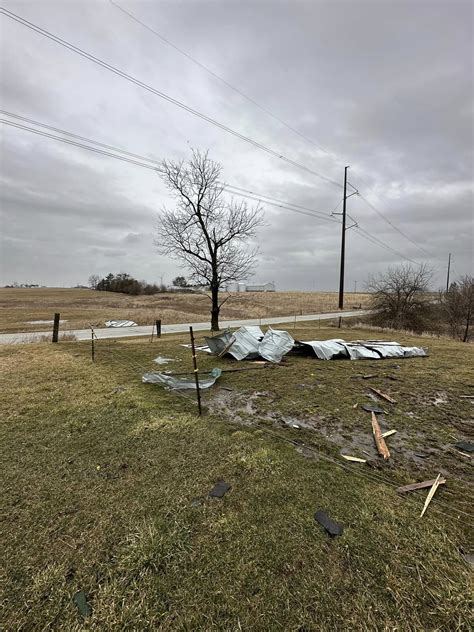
[(123, 283), (401, 299)]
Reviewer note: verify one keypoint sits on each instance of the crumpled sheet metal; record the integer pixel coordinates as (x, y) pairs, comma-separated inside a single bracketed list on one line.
[(275, 344), (337, 348), (181, 382), (120, 323), (249, 343)]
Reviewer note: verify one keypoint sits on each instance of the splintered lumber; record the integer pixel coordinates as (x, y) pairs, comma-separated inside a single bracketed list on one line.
[(355, 459), (414, 486), (382, 395), (379, 440), (389, 433), (431, 493)]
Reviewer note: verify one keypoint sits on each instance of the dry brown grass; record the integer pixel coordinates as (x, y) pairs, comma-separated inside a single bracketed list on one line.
[(80, 307)]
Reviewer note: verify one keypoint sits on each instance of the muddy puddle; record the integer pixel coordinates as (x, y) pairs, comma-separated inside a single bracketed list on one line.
[(411, 446)]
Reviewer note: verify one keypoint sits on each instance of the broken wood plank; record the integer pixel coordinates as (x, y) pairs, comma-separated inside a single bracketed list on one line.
[(431, 493), (382, 395), (414, 486), (389, 433), (353, 458), (379, 440)]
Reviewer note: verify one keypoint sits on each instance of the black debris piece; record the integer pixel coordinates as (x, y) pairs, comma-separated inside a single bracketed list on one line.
[(80, 600), (373, 409), (466, 446), (219, 489), (421, 455), (333, 528)]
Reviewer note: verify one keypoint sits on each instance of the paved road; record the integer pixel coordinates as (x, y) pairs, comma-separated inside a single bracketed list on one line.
[(145, 330)]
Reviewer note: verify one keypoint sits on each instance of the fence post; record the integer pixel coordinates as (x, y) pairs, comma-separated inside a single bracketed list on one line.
[(196, 377), (92, 344), (56, 327), (158, 328)]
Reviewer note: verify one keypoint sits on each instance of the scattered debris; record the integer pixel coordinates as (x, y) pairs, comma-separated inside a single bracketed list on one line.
[(174, 383), (249, 343), (379, 440), (441, 398), (333, 528), (421, 455), (162, 360), (358, 349), (372, 409), (461, 396), (119, 389), (355, 459), (80, 600), (465, 445), (414, 486), (120, 323), (431, 493), (355, 405), (389, 433), (469, 557), (219, 489), (382, 395)]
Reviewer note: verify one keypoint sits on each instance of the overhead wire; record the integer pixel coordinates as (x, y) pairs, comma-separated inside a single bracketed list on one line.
[(162, 95), (264, 109), (216, 76), (309, 212)]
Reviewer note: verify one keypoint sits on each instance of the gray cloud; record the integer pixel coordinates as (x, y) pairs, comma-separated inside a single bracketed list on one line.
[(385, 87)]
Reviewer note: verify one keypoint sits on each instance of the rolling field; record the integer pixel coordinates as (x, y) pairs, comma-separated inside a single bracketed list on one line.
[(79, 307), (106, 482)]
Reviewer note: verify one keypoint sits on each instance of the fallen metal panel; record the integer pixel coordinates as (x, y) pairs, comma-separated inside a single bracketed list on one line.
[(412, 352), (246, 343), (218, 344), (275, 344), (359, 352), (327, 349), (120, 323), (387, 350), (173, 383)]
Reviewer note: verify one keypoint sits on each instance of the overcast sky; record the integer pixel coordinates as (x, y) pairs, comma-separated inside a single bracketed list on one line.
[(385, 87)]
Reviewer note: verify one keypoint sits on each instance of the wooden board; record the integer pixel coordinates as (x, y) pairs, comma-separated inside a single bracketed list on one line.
[(414, 486)]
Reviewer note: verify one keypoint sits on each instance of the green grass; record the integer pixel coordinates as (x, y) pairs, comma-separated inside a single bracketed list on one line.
[(106, 485)]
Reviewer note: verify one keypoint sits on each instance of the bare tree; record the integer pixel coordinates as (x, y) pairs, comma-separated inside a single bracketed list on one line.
[(399, 297), (206, 232), (93, 281), (458, 303)]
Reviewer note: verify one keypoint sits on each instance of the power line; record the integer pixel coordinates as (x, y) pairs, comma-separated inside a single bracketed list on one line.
[(378, 242), (256, 197), (216, 76), (390, 223), (162, 95), (261, 107)]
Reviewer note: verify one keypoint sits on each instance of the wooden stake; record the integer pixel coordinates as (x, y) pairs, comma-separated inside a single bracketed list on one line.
[(379, 440), (382, 395), (56, 327), (196, 377), (414, 486), (431, 493)]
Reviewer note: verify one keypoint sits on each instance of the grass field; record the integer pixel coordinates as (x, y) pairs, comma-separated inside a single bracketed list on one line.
[(106, 483), (80, 307)]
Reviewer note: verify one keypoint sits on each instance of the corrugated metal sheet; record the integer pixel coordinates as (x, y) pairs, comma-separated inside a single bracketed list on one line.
[(120, 323), (181, 383), (275, 344)]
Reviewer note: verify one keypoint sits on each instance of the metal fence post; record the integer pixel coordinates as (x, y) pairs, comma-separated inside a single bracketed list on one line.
[(196, 377)]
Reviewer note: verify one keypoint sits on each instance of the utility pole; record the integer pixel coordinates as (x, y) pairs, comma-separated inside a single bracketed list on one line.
[(343, 243), (355, 287), (449, 268)]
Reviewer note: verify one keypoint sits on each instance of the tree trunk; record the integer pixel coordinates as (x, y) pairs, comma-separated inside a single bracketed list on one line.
[(215, 308), (468, 322)]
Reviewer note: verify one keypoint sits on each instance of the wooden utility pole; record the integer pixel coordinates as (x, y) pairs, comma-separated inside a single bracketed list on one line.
[(449, 268), (343, 243)]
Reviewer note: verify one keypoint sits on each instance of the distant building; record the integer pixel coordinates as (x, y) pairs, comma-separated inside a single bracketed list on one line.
[(264, 287)]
